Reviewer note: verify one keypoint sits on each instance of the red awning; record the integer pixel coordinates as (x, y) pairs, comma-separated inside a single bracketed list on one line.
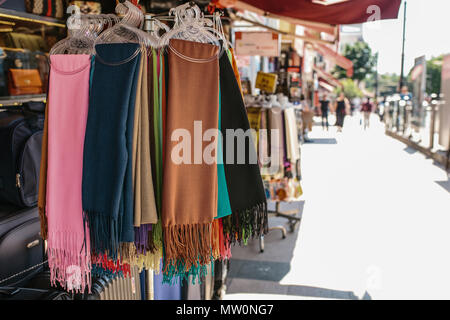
[(330, 12), (341, 61), (326, 86), (324, 76)]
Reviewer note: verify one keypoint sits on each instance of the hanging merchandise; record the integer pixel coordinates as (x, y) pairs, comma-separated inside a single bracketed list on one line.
[(107, 176), (139, 170), (68, 238), (187, 215), (87, 7), (247, 197), (145, 213), (292, 146), (60, 198), (49, 8), (273, 119), (275, 116)]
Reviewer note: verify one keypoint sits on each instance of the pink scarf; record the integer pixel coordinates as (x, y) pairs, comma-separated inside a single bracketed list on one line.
[(68, 235)]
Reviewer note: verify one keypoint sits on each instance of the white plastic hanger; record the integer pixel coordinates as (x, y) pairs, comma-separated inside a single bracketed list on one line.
[(189, 25)]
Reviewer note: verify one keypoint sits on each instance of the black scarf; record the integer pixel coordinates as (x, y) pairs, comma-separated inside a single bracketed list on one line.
[(245, 186)]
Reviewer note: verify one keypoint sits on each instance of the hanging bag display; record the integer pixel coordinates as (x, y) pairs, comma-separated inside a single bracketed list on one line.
[(20, 245), (48, 8), (24, 81), (20, 140)]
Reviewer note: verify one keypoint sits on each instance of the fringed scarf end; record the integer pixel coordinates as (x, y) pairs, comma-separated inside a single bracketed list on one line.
[(69, 266), (106, 266), (103, 233), (196, 274), (190, 244), (245, 224)]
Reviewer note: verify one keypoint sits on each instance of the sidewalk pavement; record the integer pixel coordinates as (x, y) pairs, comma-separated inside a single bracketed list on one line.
[(375, 225)]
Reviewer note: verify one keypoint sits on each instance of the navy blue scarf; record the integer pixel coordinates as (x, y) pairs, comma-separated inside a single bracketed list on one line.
[(107, 177)]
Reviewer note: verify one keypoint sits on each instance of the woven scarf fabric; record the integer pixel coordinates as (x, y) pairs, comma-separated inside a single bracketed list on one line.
[(155, 236), (136, 152), (145, 205), (286, 163), (145, 212), (107, 165), (68, 238), (126, 234), (293, 149), (263, 145), (223, 200), (189, 189), (157, 148), (275, 121), (224, 241), (42, 193), (245, 187), (235, 68)]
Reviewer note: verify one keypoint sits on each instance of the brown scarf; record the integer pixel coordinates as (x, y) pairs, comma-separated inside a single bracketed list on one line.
[(144, 196), (189, 190), (43, 178)]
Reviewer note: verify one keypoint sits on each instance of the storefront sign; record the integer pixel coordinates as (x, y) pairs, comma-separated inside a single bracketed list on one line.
[(266, 82), (257, 44)]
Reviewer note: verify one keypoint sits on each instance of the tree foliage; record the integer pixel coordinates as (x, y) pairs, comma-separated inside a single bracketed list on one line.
[(434, 69), (433, 80), (350, 88), (387, 83), (363, 61)]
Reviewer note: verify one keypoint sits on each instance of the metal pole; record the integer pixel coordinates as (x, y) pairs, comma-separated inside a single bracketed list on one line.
[(403, 49), (376, 79)]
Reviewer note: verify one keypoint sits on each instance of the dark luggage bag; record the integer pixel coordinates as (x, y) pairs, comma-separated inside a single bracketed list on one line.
[(20, 141), (21, 247), (14, 293)]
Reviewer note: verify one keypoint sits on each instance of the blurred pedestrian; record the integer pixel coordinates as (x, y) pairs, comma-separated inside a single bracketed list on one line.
[(405, 94), (382, 109), (356, 104), (366, 109), (341, 107), (324, 106)]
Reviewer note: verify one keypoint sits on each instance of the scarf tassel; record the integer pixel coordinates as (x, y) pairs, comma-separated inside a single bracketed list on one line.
[(245, 224), (103, 233), (215, 239), (143, 260), (143, 239), (190, 244), (148, 261), (102, 265), (224, 242), (195, 274), (70, 267)]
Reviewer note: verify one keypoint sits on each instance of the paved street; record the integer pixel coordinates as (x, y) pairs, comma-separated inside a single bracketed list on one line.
[(375, 225)]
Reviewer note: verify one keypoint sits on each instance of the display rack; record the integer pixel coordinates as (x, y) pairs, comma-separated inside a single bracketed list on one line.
[(18, 100), (292, 217)]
